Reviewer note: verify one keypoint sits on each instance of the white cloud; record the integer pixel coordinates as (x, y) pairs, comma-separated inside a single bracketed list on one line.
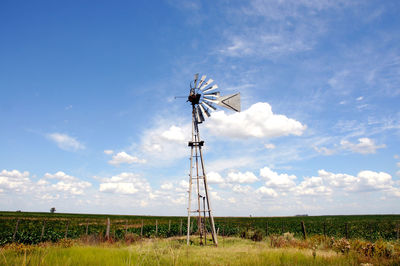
[(275, 180), (174, 133), (66, 142), (360, 98), (364, 146), (66, 183), (337, 180), (238, 177), (167, 186), (60, 176), (123, 157), (14, 180), (398, 164), (165, 142), (269, 146), (267, 192), (241, 189), (125, 183), (231, 200), (258, 121), (214, 178), (313, 186), (324, 150), (108, 152), (364, 181), (75, 188)]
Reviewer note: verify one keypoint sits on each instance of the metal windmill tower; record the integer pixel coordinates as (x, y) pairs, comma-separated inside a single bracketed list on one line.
[(202, 96)]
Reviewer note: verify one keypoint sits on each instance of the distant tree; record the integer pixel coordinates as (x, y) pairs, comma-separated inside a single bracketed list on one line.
[(52, 210)]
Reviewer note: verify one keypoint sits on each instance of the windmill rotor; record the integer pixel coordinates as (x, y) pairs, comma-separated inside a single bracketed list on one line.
[(203, 96)]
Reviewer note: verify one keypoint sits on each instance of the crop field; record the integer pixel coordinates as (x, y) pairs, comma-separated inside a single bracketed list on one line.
[(33, 228)]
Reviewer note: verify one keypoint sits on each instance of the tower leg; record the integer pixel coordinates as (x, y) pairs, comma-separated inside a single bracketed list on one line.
[(213, 231)]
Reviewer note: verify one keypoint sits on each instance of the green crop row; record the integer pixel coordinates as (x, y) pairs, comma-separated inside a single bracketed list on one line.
[(33, 229)]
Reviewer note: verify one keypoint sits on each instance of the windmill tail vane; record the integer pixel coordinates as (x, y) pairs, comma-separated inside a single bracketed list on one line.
[(203, 98)]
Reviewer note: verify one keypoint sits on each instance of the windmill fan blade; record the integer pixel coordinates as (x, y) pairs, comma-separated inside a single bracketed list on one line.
[(201, 80), (205, 111), (209, 105), (200, 114), (214, 94), (211, 88), (231, 102), (196, 77), (206, 84), (210, 101)]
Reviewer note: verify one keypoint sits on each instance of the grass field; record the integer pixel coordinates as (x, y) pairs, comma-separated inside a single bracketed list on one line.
[(173, 251), (62, 239)]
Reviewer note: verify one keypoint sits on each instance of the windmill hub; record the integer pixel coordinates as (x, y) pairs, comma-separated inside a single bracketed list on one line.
[(194, 98), (203, 97)]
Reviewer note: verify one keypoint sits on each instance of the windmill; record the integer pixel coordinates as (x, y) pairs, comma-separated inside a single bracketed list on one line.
[(203, 98)]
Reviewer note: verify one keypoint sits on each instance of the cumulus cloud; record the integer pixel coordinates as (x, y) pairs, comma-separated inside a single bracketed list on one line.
[(167, 186), (364, 181), (275, 180), (364, 146), (14, 180), (241, 189), (265, 191), (257, 122), (123, 157), (238, 177), (125, 183), (174, 133), (66, 142), (66, 183), (159, 142), (108, 152), (214, 178), (313, 186)]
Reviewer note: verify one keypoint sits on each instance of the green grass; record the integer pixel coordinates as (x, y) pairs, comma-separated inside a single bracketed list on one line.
[(232, 251)]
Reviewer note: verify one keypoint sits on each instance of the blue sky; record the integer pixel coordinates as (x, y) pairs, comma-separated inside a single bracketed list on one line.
[(89, 122)]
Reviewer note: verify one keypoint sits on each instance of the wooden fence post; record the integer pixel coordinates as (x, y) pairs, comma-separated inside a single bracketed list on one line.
[(42, 234), (87, 227), (156, 227), (303, 230), (66, 230), (266, 229), (141, 230), (180, 229), (108, 229), (169, 226), (15, 231)]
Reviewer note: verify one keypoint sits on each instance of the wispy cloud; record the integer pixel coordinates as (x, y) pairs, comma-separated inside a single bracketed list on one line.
[(364, 146), (66, 142)]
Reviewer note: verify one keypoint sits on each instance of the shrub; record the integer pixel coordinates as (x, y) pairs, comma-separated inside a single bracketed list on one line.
[(342, 245), (257, 236)]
